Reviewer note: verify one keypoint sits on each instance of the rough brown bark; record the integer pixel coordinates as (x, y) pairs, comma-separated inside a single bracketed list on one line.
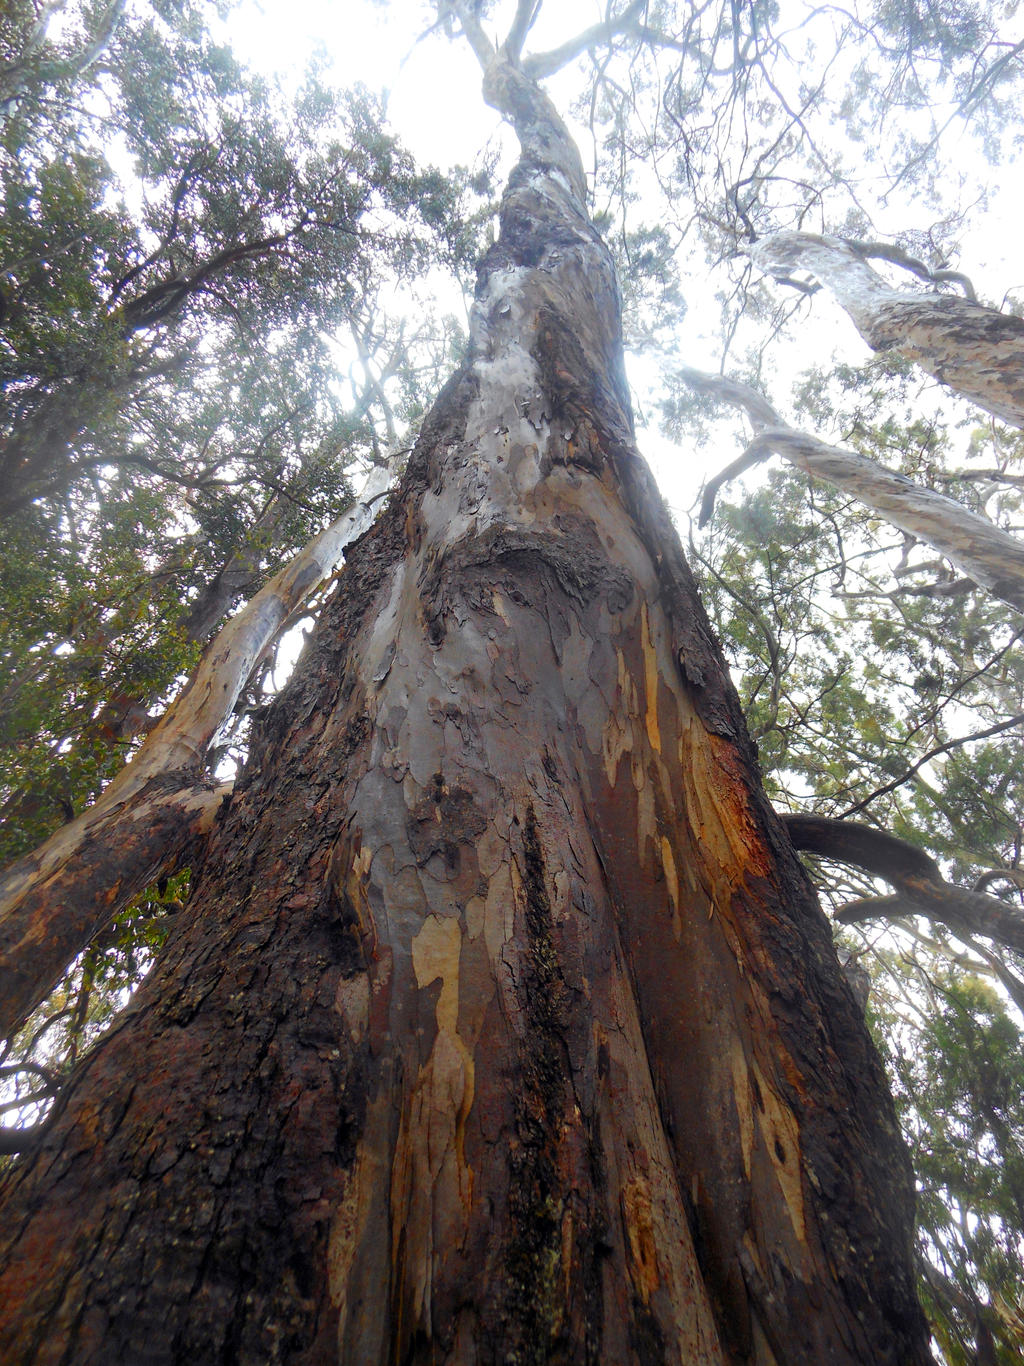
[(54, 900), (502, 1026)]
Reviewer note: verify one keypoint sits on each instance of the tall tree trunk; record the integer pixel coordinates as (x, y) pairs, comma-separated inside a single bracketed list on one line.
[(503, 1026)]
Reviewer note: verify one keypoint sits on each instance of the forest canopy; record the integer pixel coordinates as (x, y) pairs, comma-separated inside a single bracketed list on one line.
[(229, 296)]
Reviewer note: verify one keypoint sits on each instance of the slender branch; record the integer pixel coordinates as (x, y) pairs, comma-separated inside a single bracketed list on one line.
[(482, 46), (889, 251), (51, 1080), (525, 17), (545, 64), (16, 1138), (862, 908), (1012, 875), (973, 96), (934, 753)]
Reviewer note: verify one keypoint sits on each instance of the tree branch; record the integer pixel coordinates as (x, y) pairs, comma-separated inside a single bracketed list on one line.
[(482, 46), (56, 899), (545, 64), (975, 350), (874, 850), (981, 550), (920, 886), (15, 76), (934, 753), (525, 17)]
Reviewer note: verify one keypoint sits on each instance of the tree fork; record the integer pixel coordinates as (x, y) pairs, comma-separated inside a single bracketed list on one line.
[(502, 1024)]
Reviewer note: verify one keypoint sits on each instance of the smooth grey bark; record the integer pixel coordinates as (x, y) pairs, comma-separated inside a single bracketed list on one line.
[(984, 552)]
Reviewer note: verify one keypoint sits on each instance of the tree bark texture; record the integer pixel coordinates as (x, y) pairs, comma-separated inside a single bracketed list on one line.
[(502, 1025), (55, 899), (975, 350)]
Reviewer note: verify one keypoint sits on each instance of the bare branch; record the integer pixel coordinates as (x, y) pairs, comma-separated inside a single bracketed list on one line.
[(947, 747), (526, 15), (889, 251), (482, 46), (544, 64)]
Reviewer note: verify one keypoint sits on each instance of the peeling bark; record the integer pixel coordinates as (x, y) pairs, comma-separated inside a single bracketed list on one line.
[(56, 899), (502, 1025), (975, 350)]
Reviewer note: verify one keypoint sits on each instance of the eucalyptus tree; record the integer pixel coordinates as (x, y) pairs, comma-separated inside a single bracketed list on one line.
[(498, 862), (500, 1022)]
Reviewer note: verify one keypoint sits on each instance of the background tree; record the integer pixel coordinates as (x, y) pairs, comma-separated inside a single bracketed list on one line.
[(179, 277)]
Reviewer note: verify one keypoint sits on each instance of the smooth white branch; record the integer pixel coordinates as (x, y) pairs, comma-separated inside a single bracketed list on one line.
[(984, 552)]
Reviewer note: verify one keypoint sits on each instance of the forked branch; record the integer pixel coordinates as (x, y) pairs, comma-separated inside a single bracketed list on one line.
[(920, 886)]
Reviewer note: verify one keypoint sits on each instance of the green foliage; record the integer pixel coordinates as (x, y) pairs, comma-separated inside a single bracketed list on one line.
[(955, 1056), (185, 253)]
